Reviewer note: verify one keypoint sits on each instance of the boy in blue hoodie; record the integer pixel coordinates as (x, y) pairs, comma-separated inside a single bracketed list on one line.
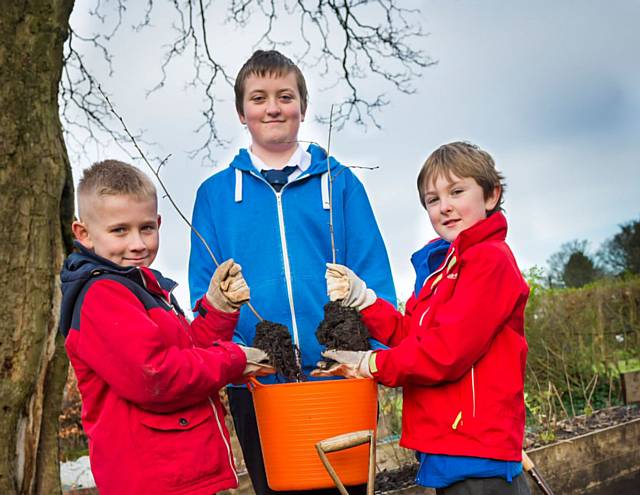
[(269, 210)]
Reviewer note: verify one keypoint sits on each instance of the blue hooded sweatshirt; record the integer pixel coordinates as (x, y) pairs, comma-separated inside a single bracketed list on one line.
[(282, 241)]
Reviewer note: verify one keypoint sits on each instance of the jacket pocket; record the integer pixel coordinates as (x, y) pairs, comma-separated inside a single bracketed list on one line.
[(181, 448), (463, 396), (182, 420)]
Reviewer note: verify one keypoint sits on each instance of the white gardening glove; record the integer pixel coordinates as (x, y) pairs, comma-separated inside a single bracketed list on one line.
[(257, 362), (350, 364), (228, 290), (345, 286)]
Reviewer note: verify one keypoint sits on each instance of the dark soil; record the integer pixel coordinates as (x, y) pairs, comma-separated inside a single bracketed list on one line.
[(387, 480), (275, 340), (342, 329), (579, 425)]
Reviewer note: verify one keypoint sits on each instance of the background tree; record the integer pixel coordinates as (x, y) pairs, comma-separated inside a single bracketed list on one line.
[(572, 266), (41, 78), (35, 210), (621, 253), (579, 270)]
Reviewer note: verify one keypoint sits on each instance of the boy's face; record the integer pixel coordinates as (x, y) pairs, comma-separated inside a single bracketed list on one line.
[(271, 111), (120, 228), (457, 204)]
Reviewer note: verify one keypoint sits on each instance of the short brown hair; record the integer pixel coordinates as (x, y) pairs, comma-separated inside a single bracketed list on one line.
[(463, 160), (113, 177), (269, 63)]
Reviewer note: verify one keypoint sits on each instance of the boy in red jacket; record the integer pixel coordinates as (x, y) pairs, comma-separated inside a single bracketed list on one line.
[(149, 379), (459, 351)]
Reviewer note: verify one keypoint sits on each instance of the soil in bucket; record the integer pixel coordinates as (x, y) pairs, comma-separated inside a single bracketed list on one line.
[(342, 328), (275, 340)]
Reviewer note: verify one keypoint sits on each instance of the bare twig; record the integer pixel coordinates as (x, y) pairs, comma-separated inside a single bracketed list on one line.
[(374, 167), (557, 394), (339, 40), (330, 177), (566, 376), (363, 167), (156, 174), (591, 385)]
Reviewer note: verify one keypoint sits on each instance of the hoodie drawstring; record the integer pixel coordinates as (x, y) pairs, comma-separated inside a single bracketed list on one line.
[(324, 184), (238, 195)]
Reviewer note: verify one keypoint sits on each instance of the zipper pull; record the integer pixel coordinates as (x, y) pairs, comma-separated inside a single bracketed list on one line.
[(457, 421)]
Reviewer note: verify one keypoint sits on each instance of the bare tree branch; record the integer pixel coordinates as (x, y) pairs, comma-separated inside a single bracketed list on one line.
[(167, 194), (344, 41)]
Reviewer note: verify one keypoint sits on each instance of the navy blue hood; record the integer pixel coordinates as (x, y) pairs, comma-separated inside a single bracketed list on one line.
[(84, 265)]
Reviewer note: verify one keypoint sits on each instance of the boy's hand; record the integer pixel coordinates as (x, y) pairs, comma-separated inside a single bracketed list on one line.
[(228, 290), (257, 362), (350, 364), (345, 286)]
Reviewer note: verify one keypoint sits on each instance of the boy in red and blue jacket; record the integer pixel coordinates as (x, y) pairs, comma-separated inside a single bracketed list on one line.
[(459, 351), (148, 378)]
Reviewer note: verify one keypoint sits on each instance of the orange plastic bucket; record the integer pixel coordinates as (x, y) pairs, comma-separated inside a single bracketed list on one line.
[(293, 417)]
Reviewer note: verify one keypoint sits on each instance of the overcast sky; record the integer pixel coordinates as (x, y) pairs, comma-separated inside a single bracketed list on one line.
[(551, 89)]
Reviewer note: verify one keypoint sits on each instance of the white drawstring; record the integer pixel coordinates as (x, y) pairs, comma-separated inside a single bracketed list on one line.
[(473, 389), (324, 184), (238, 196)]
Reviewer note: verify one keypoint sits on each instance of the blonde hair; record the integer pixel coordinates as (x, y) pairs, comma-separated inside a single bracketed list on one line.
[(463, 160), (113, 177)]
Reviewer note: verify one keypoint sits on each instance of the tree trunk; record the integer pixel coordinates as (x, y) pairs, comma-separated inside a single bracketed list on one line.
[(36, 207)]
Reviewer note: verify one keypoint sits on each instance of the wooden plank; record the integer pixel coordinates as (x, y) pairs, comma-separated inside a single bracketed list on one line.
[(631, 386), (592, 461)]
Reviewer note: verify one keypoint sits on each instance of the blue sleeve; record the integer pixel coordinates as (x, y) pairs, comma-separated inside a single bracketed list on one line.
[(366, 253), (201, 266)]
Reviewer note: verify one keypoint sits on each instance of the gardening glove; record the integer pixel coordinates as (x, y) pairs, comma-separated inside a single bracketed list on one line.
[(350, 364), (345, 286), (257, 362), (228, 290)]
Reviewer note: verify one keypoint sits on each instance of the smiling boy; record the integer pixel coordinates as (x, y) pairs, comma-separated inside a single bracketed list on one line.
[(269, 210), (107, 224), (148, 378), (459, 350), (272, 109)]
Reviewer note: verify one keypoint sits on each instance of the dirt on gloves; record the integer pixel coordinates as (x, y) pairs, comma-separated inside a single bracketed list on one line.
[(342, 329)]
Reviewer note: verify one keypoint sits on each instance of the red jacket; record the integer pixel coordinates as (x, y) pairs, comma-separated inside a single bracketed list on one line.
[(149, 381), (459, 351)]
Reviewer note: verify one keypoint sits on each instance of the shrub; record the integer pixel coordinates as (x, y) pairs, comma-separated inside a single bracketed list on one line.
[(577, 340)]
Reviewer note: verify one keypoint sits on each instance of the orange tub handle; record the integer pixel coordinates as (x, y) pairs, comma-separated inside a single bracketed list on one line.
[(253, 383)]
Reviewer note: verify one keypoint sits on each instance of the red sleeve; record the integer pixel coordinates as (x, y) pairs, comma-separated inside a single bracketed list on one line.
[(211, 324), (132, 353), (385, 323), (487, 291)]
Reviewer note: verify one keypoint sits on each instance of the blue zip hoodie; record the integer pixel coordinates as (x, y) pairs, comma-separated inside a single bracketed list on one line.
[(282, 241)]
